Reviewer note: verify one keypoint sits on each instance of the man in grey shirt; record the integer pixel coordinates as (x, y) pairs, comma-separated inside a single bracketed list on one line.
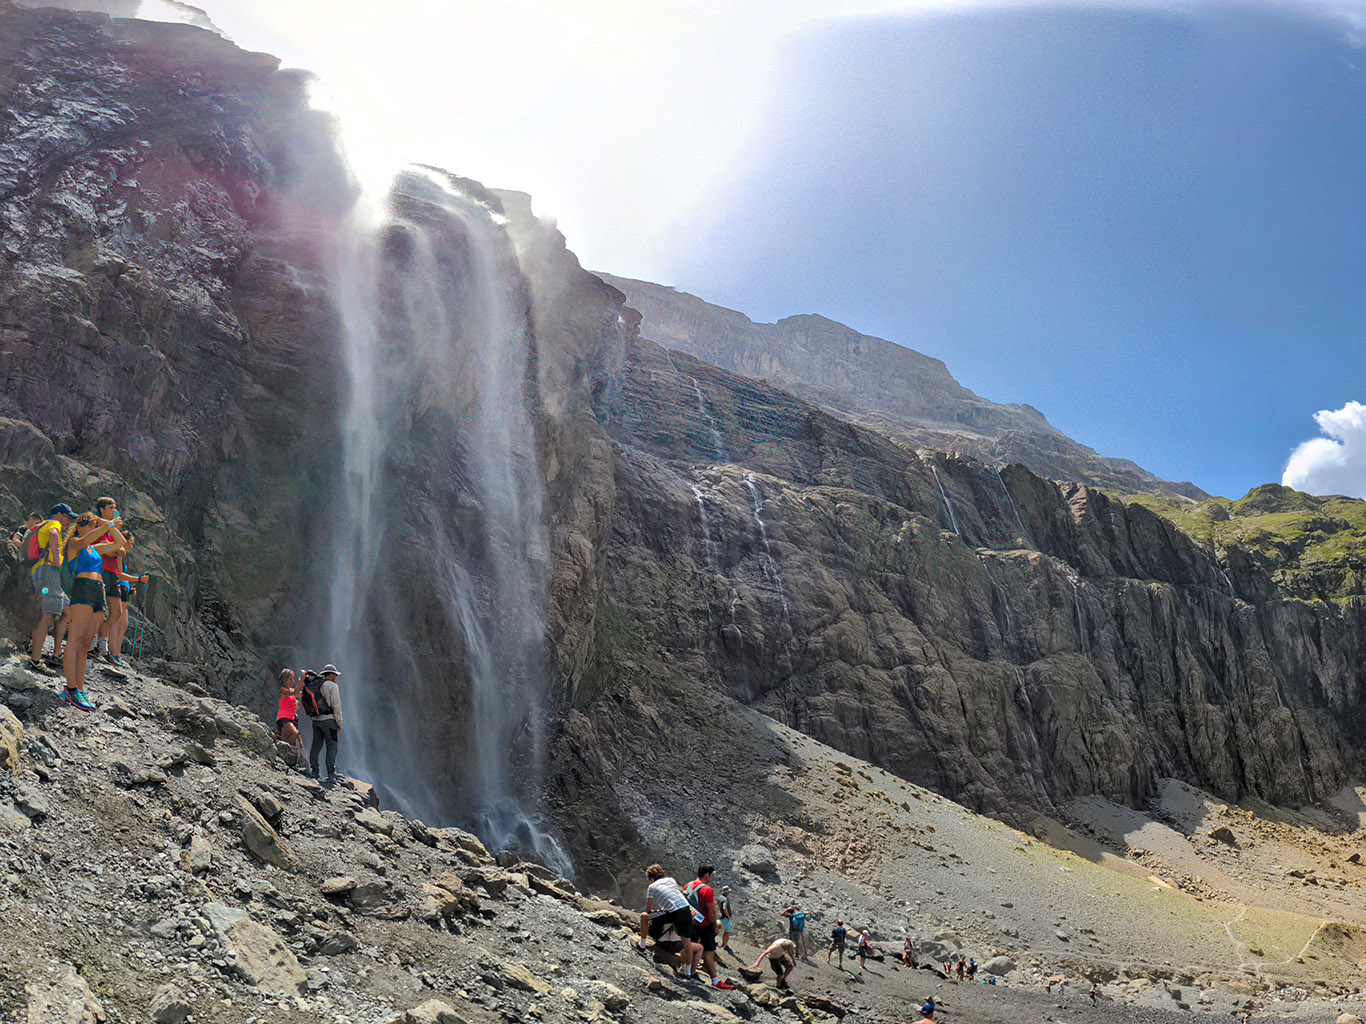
[(325, 699)]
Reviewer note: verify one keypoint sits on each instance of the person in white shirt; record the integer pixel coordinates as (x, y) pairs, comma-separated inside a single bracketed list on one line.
[(666, 905)]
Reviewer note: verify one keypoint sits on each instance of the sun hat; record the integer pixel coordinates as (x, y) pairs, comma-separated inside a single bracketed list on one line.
[(329, 669)]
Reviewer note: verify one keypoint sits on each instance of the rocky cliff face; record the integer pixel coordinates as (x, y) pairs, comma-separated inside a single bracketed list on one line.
[(714, 541), (895, 390), (164, 323)]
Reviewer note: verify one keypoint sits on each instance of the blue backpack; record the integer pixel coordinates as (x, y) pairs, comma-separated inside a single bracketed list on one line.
[(799, 922)]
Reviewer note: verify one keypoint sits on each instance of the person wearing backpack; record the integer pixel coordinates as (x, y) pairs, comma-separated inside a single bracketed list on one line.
[(796, 929), (702, 898), (321, 699), (19, 538), (44, 552)]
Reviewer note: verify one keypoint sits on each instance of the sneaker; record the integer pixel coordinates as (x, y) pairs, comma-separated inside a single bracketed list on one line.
[(78, 699), (718, 983), (114, 659)]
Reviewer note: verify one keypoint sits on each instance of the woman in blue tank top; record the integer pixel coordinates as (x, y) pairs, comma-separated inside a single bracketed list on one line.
[(85, 558)]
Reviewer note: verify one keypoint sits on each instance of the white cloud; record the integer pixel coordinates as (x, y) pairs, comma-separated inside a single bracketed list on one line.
[(1335, 463)]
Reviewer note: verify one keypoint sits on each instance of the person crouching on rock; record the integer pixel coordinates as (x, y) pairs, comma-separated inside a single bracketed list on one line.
[(782, 957), (287, 717), (665, 905), (86, 556), (322, 703)]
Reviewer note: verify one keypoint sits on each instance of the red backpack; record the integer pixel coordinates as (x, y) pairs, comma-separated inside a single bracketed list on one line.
[(35, 552)]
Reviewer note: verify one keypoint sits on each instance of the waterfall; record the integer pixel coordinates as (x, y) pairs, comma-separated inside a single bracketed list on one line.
[(440, 575), (770, 567), (953, 520), (1024, 533), (1002, 595), (1082, 639), (718, 446), (1036, 755), (709, 544)]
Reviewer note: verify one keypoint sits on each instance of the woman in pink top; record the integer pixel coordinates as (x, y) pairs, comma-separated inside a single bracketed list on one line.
[(287, 718)]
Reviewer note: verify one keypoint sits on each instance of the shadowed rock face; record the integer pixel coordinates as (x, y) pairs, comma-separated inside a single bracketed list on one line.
[(892, 389), (165, 335), (168, 335)]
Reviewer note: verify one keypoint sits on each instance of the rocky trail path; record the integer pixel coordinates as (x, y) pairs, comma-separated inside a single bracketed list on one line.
[(159, 862)]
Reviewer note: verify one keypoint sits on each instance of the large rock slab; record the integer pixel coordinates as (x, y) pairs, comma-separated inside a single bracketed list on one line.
[(261, 839), (262, 957), (63, 999), (11, 739)]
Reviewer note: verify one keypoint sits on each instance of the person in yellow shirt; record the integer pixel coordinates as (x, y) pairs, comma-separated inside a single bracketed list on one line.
[(47, 583)]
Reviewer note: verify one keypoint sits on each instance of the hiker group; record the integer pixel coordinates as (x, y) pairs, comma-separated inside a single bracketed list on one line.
[(686, 921), (320, 697), (78, 566)]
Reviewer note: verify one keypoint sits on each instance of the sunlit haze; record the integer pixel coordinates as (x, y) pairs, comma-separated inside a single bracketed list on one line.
[(1125, 214)]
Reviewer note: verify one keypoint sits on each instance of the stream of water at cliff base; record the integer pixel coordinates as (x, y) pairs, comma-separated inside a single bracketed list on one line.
[(439, 588)]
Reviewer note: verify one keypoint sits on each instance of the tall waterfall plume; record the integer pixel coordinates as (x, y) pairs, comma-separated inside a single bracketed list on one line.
[(442, 514)]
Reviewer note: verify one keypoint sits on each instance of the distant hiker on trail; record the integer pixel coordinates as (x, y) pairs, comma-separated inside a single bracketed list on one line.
[(287, 715), (1093, 995), (85, 565), (666, 905), (837, 937), (796, 929), (865, 950), (972, 969), (322, 703), (961, 968), (702, 898), (725, 911), (908, 954), (782, 957), (45, 552)]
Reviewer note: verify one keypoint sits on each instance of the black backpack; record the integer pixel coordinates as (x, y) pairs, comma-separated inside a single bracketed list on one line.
[(315, 704)]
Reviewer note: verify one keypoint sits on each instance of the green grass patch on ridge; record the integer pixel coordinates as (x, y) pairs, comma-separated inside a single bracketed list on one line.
[(1312, 546)]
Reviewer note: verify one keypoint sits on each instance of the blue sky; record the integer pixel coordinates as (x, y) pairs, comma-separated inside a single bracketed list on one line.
[(1145, 217), (1152, 227)]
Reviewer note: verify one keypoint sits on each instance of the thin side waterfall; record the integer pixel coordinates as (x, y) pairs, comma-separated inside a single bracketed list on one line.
[(953, 520), (1024, 532), (756, 498), (1082, 638), (708, 542), (1036, 755), (1002, 596), (438, 598), (718, 446)]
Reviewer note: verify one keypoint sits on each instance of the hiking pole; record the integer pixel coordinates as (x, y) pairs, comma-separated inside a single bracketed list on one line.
[(141, 606)]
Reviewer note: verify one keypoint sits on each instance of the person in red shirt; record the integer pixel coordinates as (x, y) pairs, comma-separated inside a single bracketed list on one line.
[(108, 510), (703, 897)]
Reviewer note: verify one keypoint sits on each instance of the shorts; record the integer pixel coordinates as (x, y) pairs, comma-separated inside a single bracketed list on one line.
[(279, 725), (725, 925), (88, 592), (706, 935), (111, 585), (47, 584), (681, 919), (779, 964)]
